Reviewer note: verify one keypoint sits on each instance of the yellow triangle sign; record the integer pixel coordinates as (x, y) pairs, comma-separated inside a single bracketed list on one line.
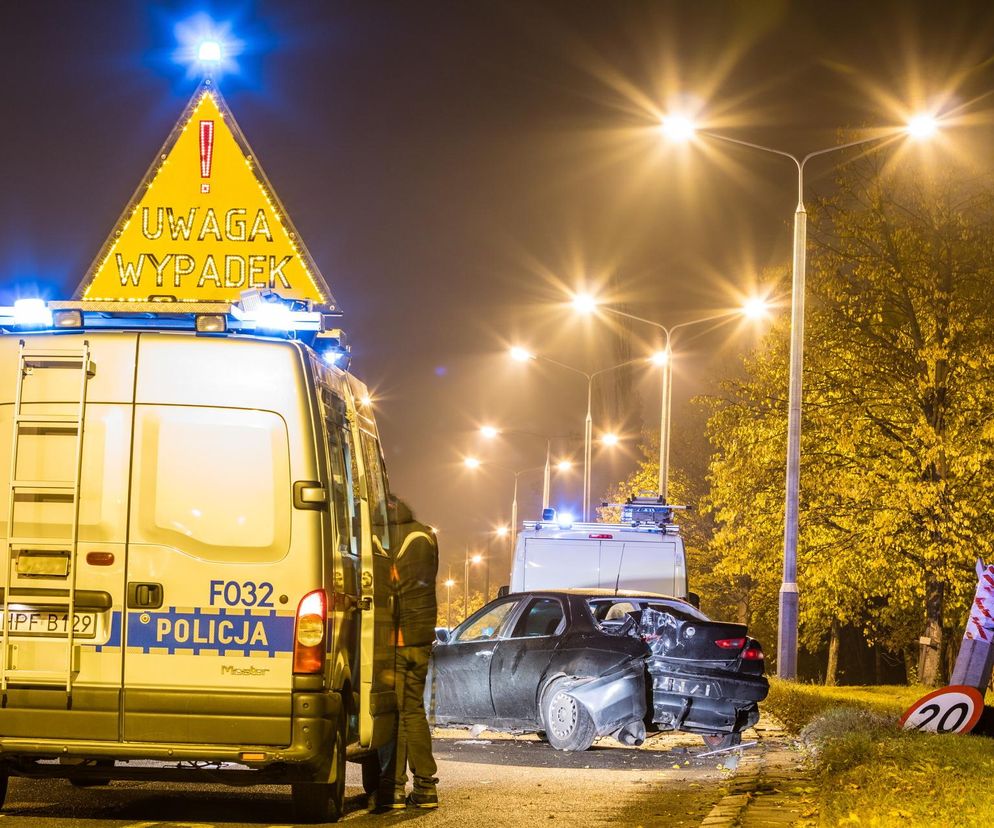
[(204, 224)]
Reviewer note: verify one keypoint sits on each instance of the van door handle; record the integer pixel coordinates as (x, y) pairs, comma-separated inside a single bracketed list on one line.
[(144, 595), (485, 653)]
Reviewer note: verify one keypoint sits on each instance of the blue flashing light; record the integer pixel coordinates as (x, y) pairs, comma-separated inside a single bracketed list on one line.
[(565, 520), (209, 52), (32, 313), (207, 47)]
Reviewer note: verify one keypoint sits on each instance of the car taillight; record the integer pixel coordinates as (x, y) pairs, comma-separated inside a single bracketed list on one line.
[(309, 631), (731, 643), (753, 653)]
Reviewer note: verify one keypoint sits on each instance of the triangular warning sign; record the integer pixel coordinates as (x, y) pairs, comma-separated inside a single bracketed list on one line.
[(204, 224)]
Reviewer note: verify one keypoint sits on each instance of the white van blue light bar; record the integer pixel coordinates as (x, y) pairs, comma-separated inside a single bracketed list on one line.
[(257, 313)]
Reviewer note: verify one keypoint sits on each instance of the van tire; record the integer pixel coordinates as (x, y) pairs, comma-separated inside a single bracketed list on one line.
[(323, 801), (4, 779), (371, 772), (567, 723), (337, 788)]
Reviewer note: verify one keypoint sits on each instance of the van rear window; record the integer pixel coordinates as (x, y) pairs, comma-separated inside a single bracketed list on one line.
[(213, 482)]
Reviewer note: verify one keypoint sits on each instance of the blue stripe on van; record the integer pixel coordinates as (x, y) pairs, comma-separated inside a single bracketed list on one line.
[(230, 632)]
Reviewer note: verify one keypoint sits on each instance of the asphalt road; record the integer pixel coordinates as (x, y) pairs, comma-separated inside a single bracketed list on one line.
[(488, 782)]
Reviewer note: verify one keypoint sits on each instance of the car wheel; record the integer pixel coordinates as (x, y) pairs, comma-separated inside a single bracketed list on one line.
[(568, 726), (91, 782), (718, 741)]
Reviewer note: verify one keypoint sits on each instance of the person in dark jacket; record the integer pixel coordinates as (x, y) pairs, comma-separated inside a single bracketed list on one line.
[(415, 568)]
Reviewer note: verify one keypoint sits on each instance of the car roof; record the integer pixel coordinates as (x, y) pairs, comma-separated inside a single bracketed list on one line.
[(601, 593)]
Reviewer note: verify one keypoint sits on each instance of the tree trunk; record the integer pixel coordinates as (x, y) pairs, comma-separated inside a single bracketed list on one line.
[(832, 669), (931, 672), (878, 665)]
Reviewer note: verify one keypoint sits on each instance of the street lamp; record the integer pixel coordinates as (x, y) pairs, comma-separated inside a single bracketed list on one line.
[(523, 355), (475, 559), (449, 583), (753, 308), (474, 463), (919, 127), (492, 432)]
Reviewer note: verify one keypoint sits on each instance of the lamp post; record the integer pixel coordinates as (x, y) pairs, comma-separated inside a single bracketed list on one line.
[(523, 355), (474, 463), (664, 358), (680, 128), (449, 583), (476, 558), (492, 432)]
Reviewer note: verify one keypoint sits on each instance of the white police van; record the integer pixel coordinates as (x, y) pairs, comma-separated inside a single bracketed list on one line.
[(642, 553), (190, 575)]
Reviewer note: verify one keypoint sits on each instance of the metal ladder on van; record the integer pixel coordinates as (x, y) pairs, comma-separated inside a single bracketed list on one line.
[(30, 361)]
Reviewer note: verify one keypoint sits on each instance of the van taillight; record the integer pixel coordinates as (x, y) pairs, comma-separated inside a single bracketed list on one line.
[(309, 632), (600, 536), (731, 643)]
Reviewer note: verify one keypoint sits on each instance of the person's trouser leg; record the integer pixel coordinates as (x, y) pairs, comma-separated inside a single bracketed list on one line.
[(414, 743)]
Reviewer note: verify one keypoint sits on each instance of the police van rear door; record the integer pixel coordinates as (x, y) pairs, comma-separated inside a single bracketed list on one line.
[(219, 557), (64, 529)]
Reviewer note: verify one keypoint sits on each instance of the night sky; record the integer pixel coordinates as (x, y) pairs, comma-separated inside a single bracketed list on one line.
[(457, 168)]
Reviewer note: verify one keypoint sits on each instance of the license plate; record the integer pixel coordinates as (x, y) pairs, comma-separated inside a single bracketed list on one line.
[(51, 623)]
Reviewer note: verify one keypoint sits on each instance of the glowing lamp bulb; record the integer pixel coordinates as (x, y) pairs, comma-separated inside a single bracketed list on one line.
[(471, 463), (450, 583), (489, 431), (520, 354), (564, 465), (922, 126), (209, 52), (476, 559), (501, 531), (584, 303), (677, 128), (610, 439), (755, 308), (660, 357)]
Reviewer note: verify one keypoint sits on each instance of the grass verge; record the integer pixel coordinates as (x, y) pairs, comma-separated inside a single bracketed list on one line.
[(873, 774)]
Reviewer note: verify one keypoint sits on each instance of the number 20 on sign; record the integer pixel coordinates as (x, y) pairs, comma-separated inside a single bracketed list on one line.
[(953, 709)]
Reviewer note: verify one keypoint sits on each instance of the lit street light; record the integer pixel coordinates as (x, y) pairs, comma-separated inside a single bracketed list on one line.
[(492, 432), (680, 128), (449, 583), (475, 559), (754, 309), (474, 463), (523, 355)]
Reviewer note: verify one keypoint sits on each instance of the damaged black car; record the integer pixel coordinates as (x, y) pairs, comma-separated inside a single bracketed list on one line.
[(575, 665)]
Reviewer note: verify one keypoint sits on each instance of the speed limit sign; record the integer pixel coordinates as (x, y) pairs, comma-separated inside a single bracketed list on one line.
[(953, 709)]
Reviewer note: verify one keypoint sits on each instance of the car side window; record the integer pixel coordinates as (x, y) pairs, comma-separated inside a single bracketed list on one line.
[(543, 617), (488, 624)]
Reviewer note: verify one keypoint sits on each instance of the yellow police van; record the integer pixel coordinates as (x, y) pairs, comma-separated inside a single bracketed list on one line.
[(195, 578), (191, 574)]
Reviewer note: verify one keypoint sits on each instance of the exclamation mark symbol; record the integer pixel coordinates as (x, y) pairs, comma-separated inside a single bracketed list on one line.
[(206, 153)]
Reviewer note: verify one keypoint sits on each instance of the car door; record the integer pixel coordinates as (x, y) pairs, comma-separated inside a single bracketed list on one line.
[(461, 667), (520, 660)]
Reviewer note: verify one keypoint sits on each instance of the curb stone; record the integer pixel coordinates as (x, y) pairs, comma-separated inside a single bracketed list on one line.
[(768, 789)]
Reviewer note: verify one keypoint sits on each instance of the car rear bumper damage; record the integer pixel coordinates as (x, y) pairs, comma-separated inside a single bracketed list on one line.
[(708, 701), (615, 702)]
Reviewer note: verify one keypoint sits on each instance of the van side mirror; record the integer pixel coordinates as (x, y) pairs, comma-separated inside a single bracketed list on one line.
[(504, 591), (441, 635), (694, 600)]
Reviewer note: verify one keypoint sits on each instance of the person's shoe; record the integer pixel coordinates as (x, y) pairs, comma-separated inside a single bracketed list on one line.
[(423, 798), (386, 800)]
